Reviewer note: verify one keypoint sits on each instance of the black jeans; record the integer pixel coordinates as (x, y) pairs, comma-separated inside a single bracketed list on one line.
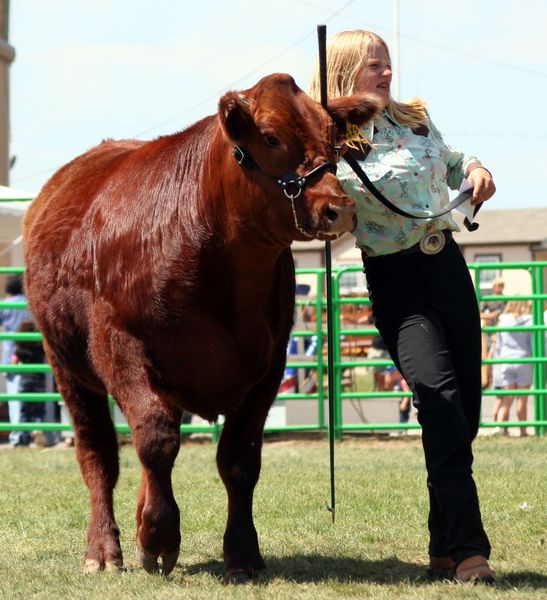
[(31, 412), (426, 310)]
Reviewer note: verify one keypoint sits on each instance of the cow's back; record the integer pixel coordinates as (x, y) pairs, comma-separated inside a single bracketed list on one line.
[(119, 205), (119, 230), (66, 197)]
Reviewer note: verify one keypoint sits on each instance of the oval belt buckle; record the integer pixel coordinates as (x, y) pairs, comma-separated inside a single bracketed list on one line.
[(433, 242)]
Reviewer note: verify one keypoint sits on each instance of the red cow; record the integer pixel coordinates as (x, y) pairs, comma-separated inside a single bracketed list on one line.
[(161, 272)]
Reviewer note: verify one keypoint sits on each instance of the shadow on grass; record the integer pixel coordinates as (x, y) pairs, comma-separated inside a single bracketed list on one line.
[(310, 568), (520, 579)]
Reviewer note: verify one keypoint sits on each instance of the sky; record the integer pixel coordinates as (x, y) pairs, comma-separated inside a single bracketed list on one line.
[(87, 70)]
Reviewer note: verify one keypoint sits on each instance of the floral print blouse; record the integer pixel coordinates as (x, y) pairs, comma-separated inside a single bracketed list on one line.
[(413, 169)]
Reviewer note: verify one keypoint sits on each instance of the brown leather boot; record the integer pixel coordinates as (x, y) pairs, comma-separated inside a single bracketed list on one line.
[(475, 569), (440, 568)]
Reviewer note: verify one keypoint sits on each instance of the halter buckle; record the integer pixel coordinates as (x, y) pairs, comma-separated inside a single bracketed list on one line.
[(238, 154)]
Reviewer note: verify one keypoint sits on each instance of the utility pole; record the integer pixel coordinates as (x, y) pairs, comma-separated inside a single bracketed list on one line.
[(7, 55)]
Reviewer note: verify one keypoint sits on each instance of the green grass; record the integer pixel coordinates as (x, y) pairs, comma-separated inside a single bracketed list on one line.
[(376, 549)]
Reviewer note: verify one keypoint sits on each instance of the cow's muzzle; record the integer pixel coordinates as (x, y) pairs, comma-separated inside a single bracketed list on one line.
[(340, 218), (337, 219)]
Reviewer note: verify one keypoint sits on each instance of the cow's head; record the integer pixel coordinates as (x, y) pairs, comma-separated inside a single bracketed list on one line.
[(286, 144)]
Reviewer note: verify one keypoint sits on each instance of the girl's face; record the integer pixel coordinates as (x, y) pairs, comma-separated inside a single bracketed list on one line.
[(375, 75)]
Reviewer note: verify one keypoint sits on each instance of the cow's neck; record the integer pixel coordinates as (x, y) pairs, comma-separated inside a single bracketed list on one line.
[(250, 292), (254, 265), (254, 273)]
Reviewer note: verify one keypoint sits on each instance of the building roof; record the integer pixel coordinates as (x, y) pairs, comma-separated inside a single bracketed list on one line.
[(14, 202), (514, 226)]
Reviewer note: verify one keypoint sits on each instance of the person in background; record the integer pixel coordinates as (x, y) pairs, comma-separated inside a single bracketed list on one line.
[(28, 352), (515, 344), (422, 295), (490, 311), (378, 350), (393, 380), (10, 319)]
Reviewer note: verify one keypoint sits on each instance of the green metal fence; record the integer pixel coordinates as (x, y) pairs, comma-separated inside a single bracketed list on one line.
[(344, 362)]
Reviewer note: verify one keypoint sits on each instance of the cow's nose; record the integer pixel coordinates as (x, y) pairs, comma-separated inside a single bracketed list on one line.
[(341, 217), (336, 212)]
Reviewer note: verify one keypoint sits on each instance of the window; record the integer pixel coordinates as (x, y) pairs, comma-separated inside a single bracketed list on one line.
[(487, 276), (352, 282)]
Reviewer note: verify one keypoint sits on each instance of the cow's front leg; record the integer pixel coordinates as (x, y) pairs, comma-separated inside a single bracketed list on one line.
[(238, 459), (157, 440), (155, 426)]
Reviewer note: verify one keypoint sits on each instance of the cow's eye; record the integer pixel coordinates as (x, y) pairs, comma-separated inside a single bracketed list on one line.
[(271, 140)]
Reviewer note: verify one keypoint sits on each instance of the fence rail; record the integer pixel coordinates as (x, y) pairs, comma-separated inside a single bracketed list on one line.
[(349, 354)]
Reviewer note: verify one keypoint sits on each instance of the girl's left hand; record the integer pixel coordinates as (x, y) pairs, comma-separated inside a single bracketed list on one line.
[(483, 185)]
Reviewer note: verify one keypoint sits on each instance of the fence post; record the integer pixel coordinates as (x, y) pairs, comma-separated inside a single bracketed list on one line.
[(538, 346)]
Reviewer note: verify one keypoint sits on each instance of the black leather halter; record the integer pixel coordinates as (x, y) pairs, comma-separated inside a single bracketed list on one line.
[(291, 182)]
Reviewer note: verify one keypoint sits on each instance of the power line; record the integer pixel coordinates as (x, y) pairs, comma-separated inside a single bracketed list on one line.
[(217, 93), (244, 77), (477, 57), (435, 45), (504, 134), (312, 32)]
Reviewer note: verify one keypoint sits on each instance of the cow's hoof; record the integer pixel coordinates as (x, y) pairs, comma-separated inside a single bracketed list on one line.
[(91, 566), (148, 561), (114, 566), (237, 577), (168, 561)]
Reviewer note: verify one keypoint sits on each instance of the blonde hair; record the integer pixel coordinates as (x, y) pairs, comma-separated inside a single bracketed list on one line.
[(347, 52), (518, 307)]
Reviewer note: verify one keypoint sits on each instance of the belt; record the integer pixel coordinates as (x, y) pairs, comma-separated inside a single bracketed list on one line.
[(432, 243)]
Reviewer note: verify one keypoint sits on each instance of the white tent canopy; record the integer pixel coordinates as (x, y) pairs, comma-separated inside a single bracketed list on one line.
[(13, 201)]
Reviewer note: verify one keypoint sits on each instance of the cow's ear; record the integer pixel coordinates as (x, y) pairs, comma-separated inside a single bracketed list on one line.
[(356, 109), (235, 115)]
